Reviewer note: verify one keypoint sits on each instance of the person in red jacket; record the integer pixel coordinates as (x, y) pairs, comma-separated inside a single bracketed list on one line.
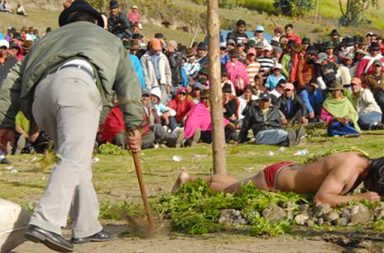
[(113, 129), (291, 35), (182, 104)]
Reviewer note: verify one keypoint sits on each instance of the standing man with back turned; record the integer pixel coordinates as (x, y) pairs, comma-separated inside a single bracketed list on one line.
[(61, 86)]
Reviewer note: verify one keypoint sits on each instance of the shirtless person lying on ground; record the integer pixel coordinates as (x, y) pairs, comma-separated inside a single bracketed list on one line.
[(330, 178)]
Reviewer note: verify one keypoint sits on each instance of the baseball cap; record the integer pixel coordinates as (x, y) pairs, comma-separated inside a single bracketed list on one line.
[(289, 86), (264, 96), (259, 28), (4, 43), (278, 66), (321, 57), (251, 51)]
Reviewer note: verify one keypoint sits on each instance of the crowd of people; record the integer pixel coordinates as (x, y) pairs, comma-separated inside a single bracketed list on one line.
[(267, 85)]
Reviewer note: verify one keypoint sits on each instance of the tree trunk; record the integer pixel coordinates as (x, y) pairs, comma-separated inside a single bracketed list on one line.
[(218, 139)]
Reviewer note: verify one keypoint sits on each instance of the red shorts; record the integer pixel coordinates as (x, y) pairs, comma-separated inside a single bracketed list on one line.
[(271, 171)]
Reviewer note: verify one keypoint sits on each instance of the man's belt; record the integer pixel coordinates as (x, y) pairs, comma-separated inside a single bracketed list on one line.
[(79, 66)]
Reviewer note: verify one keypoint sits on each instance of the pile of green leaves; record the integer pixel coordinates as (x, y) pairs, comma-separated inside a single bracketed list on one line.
[(195, 209), (110, 149)]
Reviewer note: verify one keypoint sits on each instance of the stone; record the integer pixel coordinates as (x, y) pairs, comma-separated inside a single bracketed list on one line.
[(310, 223), (231, 216), (301, 218), (360, 214), (346, 213), (320, 221), (342, 221), (303, 208), (331, 217), (322, 209), (273, 213)]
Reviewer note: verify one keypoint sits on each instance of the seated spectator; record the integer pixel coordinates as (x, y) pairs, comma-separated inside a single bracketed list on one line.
[(367, 109), (292, 106), (20, 10), (346, 68), (237, 73), (265, 122), (266, 61), (5, 7), (166, 114), (198, 124), (277, 32), (23, 139), (339, 113), (277, 91), (202, 54), (133, 46), (259, 86), (225, 80), (274, 77), (197, 88), (245, 101), (325, 71), (312, 97), (259, 36), (231, 104), (182, 104), (329, 48), (239, 33), (306, 67), (365, 66), (113, 128), (375, 82)]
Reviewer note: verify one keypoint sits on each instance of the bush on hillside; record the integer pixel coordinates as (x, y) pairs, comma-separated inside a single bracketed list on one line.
[(294, 8)]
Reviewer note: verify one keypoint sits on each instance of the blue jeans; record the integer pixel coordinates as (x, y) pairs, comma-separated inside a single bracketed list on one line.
[(368, 119), (271, 136), (336, 128)]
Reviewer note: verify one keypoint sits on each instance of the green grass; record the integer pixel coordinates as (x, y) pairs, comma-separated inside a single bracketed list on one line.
[(115, 179)]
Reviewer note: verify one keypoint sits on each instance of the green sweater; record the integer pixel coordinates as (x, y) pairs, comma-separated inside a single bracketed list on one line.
[(103, 50)]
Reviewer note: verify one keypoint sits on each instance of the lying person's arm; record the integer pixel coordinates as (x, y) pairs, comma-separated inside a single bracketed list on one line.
[(332, 189)]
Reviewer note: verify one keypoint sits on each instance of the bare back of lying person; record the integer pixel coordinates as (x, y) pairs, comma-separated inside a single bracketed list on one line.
[(330, 178)]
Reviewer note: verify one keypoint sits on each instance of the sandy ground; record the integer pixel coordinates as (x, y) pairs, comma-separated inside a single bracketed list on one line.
[(176, 243)]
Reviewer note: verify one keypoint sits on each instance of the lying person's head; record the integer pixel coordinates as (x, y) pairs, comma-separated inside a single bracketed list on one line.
[(375, 178)]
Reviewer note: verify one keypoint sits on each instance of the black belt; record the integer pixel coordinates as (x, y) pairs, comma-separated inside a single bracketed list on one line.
[(79, 66)]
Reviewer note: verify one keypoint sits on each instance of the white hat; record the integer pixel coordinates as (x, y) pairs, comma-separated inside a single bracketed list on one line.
[(259, 28), (135, 7), (267, 47), (156, 92), (4, 43), (278, 66)]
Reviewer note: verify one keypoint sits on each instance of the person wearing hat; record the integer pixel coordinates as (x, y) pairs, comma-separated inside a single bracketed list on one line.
[(339, 113), (166, 114), (15, 50), (334, 36), (266, 61), (157, 71), (306, 67), (274, 77), (367, 108), (375, 82), (253, 66), (306, 42), (134, 15), (325, 71), (265, 120), (192, 67), (365, 66), (329, 47), (133, 47), (202, 54), (259, 36), (312, 97), (237, 72), (225, 80), (118, 23), (347, 68), (65, 99), (238, 34), (291, 105)]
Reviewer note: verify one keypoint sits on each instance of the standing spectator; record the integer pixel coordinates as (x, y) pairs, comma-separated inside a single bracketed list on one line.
[(339, 113), (202, 54), (157, 71), (334, 36), (306, 67), (291, 35), (274, 77), (259, 36), (365, 66), (134, 16), (239, 33), (253, 66), (329, 47), (375, 82), (368, 110), (237, 73), (132, 46), (118, 23), (176, 63)]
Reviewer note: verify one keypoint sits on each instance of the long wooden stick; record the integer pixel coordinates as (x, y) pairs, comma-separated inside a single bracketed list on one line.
[(139, 174)]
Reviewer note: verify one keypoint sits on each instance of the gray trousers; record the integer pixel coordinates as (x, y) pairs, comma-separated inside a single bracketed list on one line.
[(271, 136), (67, 107)]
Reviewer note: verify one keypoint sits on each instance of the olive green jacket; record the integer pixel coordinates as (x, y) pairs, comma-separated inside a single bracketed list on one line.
[(103, 50)]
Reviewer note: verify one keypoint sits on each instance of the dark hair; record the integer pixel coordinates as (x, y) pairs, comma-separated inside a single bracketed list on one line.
[(376, 176), (288, 26), (159, 36), (240, 22), (81, 16)]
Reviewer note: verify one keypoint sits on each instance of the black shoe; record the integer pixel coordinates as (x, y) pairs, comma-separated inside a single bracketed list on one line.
[(52, 240), (5, 161), (102, 236)]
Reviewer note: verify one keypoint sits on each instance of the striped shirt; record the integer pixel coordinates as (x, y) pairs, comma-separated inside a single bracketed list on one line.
[(266, 63), (252, 70)]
